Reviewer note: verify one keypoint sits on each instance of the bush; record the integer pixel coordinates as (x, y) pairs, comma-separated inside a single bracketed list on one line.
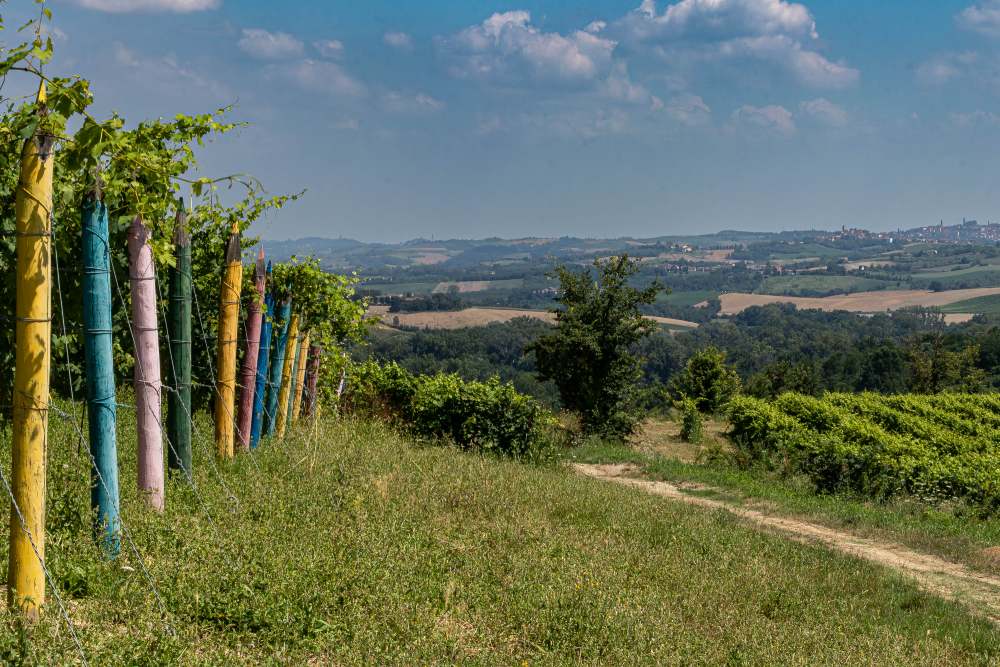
[(691, 430), (708, 381), (490, 417)]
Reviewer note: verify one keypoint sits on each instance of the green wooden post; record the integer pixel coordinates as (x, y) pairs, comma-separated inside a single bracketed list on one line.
[(179, 400)]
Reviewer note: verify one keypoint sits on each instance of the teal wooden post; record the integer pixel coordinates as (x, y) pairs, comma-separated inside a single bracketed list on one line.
[(179, 400), (281, 320), (100, 368)]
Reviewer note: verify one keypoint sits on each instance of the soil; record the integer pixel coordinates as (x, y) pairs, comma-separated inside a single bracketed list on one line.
[(977, 591)]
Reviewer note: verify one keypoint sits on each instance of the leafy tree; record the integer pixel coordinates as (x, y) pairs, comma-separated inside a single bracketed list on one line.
[(935, 368), (589, 354), (884, 369), (708, 381), (784, 376)]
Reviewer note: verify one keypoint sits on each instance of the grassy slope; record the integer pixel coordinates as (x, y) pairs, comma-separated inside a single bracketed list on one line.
[(988, 305), (795, 285), (360, 547)]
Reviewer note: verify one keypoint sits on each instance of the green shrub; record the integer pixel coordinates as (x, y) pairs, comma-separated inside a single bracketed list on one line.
[(938, 447), (708, 381), (691, 430), (490, 417)]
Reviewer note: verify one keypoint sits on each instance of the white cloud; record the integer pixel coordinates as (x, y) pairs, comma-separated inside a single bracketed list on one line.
[(398, 40), (265, 45), (329, 48), (620, 87), (404, 103), (321, 76), (596, 27), (982, 18), (825, 111), (946, 67), (166, 73), (507, 47), (771, 118), (775, 31), (688, 109), (721, 19), (126, 6)]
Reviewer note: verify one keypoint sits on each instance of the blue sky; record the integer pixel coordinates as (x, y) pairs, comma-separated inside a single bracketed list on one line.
[(474, 118)]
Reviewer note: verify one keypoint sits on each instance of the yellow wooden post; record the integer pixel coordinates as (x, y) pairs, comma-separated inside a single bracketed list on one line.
[(33, 209), (300, 377), (286, 378), (229, 316)]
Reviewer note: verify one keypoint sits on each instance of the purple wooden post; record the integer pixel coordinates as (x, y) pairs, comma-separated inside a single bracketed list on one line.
[(248, 372), (142, 275)]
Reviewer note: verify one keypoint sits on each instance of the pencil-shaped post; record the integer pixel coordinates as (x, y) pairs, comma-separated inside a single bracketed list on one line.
[(100, 368), (309, 397), (148, 387), (33, 214), (263, 364), (248, 371), (285, 393), (300, 378), (280, 335), (229, 319), (179, 322)]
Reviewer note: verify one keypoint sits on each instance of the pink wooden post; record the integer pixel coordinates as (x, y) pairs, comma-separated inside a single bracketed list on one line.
[(248, 372), (142, 275), (309, 399)]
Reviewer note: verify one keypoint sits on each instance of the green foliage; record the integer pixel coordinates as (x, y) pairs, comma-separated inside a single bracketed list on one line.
[(784, 376), (327, 310), (691, 425), (936, 447), (590, 353), (935, 368), (488, 417), (708, 381)]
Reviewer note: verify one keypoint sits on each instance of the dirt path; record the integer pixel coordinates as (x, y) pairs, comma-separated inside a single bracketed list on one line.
[(979, 592)]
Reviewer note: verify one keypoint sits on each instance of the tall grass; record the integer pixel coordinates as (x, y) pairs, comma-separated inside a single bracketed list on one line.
[(348, 544)]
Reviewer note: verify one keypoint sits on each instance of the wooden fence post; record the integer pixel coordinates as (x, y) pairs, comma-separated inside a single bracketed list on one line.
[(148, 387), (33, 213), (248, 371), (100, 368), (179, 322), (281, 323), (229, 322)]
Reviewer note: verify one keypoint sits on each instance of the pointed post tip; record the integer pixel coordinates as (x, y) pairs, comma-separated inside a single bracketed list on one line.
[(42, 93)]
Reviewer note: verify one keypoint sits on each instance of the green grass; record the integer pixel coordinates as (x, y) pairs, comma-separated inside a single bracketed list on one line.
[(360, 547), (952, 531), (492, 285), (936, 274), (402, 288), (987, 305), (687, 298), (806, 284)]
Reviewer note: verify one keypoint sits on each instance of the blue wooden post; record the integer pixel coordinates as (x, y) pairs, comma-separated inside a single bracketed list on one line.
[(283, 312), (100, 374), (263, 364)]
